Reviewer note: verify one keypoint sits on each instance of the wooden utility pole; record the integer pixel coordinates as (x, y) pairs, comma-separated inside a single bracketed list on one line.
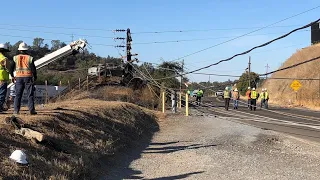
[(249, 70), (182, 65)]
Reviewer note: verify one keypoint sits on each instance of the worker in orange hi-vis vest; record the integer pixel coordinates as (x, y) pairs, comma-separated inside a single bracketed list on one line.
[(248, 96), (26, 75)]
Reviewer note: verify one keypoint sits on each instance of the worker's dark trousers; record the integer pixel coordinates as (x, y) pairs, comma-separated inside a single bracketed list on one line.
[(21, 84), (3, 94), (253, 104), (262, 103), (198, 100), (226, 103)]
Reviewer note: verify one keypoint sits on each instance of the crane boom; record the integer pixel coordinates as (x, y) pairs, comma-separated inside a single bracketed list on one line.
[(69, 49)]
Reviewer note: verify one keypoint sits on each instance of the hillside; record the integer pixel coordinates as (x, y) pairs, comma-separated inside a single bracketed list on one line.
[(308, 95), (81, 137)]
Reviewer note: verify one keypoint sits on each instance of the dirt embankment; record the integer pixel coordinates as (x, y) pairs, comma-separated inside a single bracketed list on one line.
[(80, 133), (308, 95)]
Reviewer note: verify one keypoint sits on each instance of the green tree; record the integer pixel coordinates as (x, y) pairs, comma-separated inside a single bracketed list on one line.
[(243, 82)]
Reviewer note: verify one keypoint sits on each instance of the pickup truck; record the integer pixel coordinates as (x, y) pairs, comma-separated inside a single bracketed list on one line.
[(219, 93)]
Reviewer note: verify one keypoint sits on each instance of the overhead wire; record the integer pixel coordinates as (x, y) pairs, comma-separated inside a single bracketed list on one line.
[(246, 52), (56, 27), (203, 30), (47, 32), (204, 39), (264, 27)]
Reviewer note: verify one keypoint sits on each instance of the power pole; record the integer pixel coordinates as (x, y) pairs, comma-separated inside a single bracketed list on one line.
[(181, 76), (129, 40), (249, 70), (267, 71)]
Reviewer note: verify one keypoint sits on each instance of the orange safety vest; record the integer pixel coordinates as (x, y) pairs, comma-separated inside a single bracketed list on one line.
[(248, 94), (23, 65)]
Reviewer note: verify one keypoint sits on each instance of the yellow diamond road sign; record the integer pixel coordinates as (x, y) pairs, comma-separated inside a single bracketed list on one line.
[(295, 85)]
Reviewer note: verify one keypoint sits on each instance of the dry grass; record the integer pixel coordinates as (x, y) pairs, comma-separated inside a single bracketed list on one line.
[(83, 131), (143, 97), (308, 95)]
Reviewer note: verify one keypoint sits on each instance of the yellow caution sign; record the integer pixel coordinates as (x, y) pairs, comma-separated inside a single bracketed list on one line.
[(295, 85)]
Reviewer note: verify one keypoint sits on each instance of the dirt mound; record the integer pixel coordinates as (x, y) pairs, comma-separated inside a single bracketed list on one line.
[(308, 95), (79, 132)]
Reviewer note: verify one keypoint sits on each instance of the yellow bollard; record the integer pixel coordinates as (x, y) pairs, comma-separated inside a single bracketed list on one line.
[(187, 105), (180, 100), (163, 102)]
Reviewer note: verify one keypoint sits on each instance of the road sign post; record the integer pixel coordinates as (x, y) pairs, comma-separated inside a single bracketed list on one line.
[(296, 85)]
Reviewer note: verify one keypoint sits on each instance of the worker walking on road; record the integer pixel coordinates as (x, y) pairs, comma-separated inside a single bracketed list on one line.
[(262, 98), (4, 75), (248, 97), (266, 98), (226, 96), (26, 75), (174, 101), (235, 97), (253, 96), (199, 96)]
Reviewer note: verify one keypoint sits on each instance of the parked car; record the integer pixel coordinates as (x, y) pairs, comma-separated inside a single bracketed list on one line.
[(219, 93), (194, 93)]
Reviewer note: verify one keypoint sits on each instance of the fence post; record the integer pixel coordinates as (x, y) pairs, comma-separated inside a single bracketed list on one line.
[(46, 98), (68, 84), (79, 83), (180, 99), (187, 105), (87, 83), (163, 102)]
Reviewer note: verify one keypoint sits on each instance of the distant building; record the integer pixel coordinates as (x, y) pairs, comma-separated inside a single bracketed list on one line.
[(315, 33)]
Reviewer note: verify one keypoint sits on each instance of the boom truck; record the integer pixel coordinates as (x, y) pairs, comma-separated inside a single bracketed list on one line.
[(70, 49)]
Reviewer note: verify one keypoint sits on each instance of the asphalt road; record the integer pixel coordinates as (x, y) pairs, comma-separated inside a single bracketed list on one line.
[(297, 122)]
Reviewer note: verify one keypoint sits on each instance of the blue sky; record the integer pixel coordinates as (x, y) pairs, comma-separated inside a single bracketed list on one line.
[(165, 15)]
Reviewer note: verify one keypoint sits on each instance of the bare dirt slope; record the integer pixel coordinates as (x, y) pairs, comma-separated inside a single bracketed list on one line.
[(80, 133), (308, 94)]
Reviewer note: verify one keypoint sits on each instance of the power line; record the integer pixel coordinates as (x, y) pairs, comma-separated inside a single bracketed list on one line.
[(209, 74), (247, 33), (246, 52), (49, 32), (258, 52), (204, 39), (56, 27), (213, 29), (292, 66)]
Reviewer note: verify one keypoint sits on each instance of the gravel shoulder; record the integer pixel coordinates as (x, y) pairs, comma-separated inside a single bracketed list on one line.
[(199, 147)]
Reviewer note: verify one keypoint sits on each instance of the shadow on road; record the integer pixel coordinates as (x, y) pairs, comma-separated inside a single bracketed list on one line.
[(171, 149), (181, 176), (120, 168)]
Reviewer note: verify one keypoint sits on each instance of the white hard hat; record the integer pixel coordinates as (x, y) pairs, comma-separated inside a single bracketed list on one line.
[(19, 157), (253, 88), (226, 88), (4, 47), (265, 89), (236, 90), (23, 47), (249, 88)]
